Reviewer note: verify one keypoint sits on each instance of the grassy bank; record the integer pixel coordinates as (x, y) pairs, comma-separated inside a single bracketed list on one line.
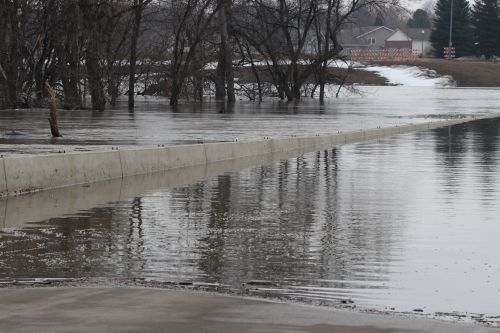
[(465, 73)]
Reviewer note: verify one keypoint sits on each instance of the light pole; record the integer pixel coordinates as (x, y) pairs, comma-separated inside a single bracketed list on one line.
[(423, 36), (450, 44)]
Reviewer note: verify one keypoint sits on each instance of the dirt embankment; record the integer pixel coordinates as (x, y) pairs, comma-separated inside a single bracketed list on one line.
[(465, 73), (335, 76), (360, 76)]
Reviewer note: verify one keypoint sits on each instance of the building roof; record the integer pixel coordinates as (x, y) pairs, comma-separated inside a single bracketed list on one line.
[(398, 36), (409, 34), (373, 29), (350, 34), (416, 33)]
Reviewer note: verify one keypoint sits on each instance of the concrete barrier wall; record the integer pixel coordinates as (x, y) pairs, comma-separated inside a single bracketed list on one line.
[(224, 151), (33, 173), (139, 161), (252, 148), (181, 156), (3, 212), (17, 211), (3, 182)]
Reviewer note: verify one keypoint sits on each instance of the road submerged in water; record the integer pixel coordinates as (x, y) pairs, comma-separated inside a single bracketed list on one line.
[(378, 227), (406, 225), (155, 123)]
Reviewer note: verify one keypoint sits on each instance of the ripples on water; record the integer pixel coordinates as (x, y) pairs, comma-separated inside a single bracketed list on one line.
[(408, 222), (155, 122)]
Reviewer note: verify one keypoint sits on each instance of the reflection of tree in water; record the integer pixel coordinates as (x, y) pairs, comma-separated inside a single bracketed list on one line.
[(99, 242), (260, 227), (478, 139), (135, 237), (356, 242), (282, 222), (332, 264), (450, 145), (485, 144), (213, 248), (71, 246)]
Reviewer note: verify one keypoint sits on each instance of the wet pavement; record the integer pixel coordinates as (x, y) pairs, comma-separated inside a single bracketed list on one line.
[(149, 310), (407, 224), (155, 122)]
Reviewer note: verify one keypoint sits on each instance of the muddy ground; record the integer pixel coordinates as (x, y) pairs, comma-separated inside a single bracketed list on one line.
[(335, 75)]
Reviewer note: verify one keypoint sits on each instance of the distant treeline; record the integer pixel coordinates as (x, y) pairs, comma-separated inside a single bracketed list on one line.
[(104, 48), (475, 31)]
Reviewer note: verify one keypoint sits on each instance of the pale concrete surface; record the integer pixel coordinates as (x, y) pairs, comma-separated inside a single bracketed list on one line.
[(17, 211), (31, 173), (57, 310), (139, 161), (3, 183), (223, 151), (181, 156)]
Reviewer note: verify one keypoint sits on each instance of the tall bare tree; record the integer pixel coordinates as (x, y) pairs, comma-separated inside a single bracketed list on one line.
[(224, 78), (138, 10), (191, 20)]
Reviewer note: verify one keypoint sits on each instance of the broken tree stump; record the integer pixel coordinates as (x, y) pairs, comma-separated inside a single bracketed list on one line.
[(54, 128)]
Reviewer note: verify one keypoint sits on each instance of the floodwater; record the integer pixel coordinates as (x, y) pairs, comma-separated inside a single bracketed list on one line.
[(154, 122), (407, 223)]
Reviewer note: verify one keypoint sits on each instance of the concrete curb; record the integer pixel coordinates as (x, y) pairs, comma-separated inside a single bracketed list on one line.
[(39, 172)]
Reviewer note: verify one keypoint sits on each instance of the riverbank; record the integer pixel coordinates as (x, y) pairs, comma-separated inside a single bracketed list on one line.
[(464, 73), (156, 310), (336, 75)]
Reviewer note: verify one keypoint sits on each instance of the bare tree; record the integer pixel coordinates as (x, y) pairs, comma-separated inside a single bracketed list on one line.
[(191, 20), (95, 45), (138, 10), (284, 34), (224, 78), (10, 49), (71, 67)]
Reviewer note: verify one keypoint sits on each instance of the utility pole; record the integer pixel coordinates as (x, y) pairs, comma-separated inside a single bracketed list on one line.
[(450, 43), (423, 36)]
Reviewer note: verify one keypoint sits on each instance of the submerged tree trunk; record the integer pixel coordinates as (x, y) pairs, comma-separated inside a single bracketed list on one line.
[(228, 51), (220, 77), (176, 90), (3, 89), (224, 77), (71, 68), (96, 86), (54, 127), (9, 52), (139, 7), (95, 75), (324, 65)]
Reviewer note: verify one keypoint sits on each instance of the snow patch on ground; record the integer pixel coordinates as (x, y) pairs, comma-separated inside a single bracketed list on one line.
[(411, 76)]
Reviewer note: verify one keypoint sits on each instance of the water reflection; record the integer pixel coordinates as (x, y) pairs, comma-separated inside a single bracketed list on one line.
[(408, 222)]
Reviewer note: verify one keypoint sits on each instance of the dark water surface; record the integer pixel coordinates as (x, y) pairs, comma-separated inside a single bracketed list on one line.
[(154, 122), (410, 222)]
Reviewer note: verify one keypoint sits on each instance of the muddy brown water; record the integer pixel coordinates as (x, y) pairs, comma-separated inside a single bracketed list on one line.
[(406, 223), (154, 122)]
